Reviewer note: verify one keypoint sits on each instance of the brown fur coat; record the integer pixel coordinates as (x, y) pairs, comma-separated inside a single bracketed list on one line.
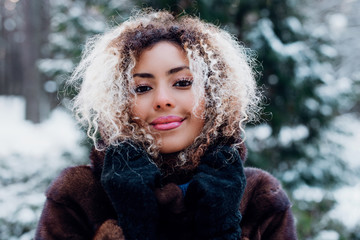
[(78, 208)]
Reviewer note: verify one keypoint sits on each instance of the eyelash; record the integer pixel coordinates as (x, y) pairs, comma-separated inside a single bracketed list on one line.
[(142, 89), (188, 82), (181, 83)]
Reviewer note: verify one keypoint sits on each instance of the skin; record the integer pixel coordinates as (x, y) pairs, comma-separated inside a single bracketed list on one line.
[(164, 97)]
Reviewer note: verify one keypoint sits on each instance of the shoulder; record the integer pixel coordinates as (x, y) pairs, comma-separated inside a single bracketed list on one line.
[(263, 193), (265, 208), (73, 184)]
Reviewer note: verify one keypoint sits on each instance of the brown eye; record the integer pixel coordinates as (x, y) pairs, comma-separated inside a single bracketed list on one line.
[(184, 82), (142, 89)]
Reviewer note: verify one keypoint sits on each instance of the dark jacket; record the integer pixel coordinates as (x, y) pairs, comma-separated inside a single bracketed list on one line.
[(78, 208)]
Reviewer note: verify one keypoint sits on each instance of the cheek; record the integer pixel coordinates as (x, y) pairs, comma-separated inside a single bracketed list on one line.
[(138, 115), (138, 109)]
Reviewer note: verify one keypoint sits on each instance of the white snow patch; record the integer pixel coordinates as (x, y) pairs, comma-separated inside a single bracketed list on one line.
[(328, 235), (294, 24), (348, 197), (262, 131), (328, 50), (285, 50), (347, 209), (350, 124), (309, 193), (288, 134), (50, 66), (337, 22), (259, 137), (32, 155)]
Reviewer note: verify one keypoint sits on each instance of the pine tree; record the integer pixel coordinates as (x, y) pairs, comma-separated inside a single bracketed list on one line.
[(72, 24)]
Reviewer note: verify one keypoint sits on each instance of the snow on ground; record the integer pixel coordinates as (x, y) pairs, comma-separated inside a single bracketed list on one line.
[(31, 155)]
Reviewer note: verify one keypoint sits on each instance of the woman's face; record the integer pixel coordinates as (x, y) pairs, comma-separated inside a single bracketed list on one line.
[(164, 98)]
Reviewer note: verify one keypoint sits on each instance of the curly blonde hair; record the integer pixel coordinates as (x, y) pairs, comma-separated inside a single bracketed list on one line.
[(221, 67)]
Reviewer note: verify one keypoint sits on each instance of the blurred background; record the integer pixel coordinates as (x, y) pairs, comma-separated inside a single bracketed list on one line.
[(308, 135)]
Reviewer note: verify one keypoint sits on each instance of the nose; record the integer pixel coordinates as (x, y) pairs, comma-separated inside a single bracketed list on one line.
[(163, 99)]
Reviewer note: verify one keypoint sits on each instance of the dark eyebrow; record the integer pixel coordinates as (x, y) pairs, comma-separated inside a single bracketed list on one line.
[(171, 71), (177, 69), (143, 75)]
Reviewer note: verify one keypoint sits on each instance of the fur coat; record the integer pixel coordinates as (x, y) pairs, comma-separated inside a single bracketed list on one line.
[(78, 208)]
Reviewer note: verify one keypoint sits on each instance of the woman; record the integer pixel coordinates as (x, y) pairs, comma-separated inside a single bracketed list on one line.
[(165, 101)]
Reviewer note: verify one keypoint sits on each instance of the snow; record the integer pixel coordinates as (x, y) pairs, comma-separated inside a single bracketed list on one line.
[(328, 50), (285, 50), (305, 58), (289, 134), (335, 87), (309, 194), (328, 235), (294, 24), (61, 41), (262, 132), (312, 104), (92, 24), (31, 155), (350, 124), (259, 134), (338, 23), (50, 66), (348, 196), (347, 211), (346, 133)]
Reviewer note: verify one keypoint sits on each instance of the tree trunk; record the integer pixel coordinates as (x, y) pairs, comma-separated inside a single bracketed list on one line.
[(36, 101), (10, 75)]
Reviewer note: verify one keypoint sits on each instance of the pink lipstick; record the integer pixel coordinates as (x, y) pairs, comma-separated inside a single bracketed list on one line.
[(167, 122)]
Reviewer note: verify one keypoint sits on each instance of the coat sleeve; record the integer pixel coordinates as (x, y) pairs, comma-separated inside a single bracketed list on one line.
[(77, 208), (278, 226), (266, 208)]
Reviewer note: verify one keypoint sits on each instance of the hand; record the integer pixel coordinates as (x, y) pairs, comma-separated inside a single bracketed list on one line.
[(129, 178), (175, 220), (215, 193)]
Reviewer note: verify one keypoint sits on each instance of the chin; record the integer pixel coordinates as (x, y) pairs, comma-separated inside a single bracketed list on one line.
[(175, 143)]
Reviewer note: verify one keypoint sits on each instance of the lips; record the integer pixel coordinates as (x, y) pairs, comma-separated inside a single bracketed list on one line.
[(167, 122)]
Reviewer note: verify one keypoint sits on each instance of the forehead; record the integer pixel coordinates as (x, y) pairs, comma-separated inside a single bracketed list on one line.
[(162, 44), (164, 54)]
